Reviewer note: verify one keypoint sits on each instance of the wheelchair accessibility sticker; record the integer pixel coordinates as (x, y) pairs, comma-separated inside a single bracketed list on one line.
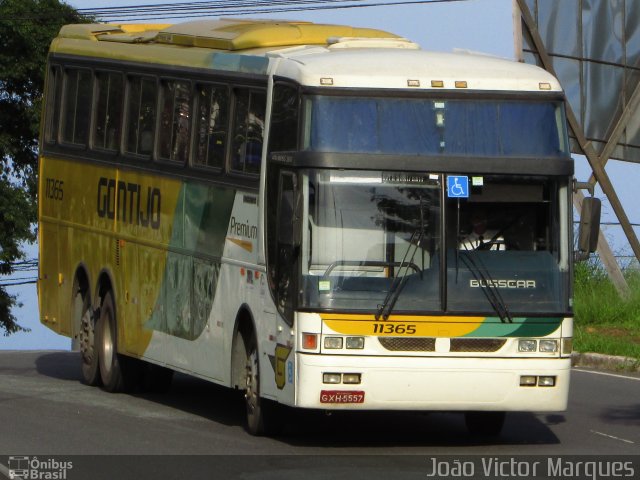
[(458, 186)]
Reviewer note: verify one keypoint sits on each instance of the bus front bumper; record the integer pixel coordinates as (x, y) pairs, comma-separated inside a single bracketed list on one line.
[(438, 384)]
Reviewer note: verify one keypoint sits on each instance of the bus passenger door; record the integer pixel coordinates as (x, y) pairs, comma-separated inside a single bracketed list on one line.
[(285, 280)]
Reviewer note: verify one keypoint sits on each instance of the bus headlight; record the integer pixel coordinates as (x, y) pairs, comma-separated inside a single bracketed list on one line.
[(548, 346), (355, 343), (527, 345), (333, 343)]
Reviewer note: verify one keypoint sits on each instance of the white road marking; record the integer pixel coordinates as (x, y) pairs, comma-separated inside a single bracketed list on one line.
[(637, 379), (611, 436)]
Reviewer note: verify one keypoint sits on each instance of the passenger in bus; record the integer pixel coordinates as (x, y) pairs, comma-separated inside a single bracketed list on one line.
[(480, 236)]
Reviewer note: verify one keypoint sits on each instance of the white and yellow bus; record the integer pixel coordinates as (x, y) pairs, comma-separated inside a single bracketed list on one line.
[(324, 217)]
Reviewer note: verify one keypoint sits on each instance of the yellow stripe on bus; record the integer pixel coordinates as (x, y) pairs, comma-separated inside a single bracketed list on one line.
[(402, 325)]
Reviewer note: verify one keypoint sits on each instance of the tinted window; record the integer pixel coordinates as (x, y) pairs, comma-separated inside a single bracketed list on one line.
[(422, 126), (175, 121), (212, 127), (283, 134), (54, 91), (248, 131), (77, 106), (141, 115), (108, 125)]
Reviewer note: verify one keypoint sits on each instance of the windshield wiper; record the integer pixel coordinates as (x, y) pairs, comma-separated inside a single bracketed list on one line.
[(488, 287), (400, 281)]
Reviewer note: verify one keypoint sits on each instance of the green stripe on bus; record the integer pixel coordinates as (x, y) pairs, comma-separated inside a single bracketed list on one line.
[(520, 327), (189, 282)]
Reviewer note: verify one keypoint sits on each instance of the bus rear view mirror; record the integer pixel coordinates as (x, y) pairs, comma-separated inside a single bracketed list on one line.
[(589, 225)]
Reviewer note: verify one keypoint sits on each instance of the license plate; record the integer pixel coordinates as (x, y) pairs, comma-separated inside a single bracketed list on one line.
[(340, 396)]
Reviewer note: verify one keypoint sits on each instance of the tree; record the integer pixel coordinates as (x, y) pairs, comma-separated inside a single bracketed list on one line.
[(26, 30)]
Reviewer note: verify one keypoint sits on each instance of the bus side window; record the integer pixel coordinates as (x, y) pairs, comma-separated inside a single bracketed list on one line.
[(141, 115), (76, 112), (283, 134), (212, 126), (175, 121), (248, 131), (54, 92), (108, 126)]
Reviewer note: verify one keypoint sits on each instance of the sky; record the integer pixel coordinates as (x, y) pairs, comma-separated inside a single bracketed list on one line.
[(475, 25)]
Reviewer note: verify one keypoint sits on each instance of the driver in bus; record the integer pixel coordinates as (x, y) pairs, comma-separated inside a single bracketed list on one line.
[(480, 237)]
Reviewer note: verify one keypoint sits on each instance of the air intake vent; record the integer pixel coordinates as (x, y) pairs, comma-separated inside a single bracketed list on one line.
[(117, 252), (476, 345), (458, 345), (404, 344)]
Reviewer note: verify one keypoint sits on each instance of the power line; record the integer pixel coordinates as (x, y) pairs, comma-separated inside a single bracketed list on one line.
[(205, 9), (15, 284)]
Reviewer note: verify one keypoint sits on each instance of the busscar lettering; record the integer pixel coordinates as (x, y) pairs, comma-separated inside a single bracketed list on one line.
[(129, 203), (502, 283)]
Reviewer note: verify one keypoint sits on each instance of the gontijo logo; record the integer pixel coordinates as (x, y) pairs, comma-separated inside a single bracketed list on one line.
[(129, 202)]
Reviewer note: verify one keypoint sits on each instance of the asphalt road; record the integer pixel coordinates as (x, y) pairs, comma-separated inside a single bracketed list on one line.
[(46, 410)]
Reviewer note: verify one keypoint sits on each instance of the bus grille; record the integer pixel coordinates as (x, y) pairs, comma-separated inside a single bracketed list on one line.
[(476, 344), (404, 344), (424, 344)]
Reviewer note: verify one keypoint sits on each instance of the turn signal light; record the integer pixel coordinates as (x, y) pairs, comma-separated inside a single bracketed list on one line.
[(309, 341)]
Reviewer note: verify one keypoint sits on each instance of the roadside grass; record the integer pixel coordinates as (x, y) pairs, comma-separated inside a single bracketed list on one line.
[(604, 322)]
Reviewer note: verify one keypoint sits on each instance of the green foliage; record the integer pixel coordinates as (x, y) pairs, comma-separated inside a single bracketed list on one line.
[(26, 30), (606, 323)]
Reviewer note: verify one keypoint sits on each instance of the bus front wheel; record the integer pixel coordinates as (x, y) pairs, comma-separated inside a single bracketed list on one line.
[(263, 415)]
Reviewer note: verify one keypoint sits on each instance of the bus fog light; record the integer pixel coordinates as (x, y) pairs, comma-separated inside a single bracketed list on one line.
[(567, 346), (355, 343), (352, 378), (546, 381), (527, 345), (333, 342), (528, 380), (548, 346), (331, 378)]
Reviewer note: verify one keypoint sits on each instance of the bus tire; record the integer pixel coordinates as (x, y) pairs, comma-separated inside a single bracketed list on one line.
[(118, 373), (87, 339), (484, 424), (264, 417)]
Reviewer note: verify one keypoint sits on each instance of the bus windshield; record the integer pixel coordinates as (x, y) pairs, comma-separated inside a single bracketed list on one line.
[(423, 126), (364, 230), (374, 235)]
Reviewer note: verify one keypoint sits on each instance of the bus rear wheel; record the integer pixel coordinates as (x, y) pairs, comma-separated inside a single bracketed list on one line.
[(87, 339), (264, 417), (485, 424), (117, 372)]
